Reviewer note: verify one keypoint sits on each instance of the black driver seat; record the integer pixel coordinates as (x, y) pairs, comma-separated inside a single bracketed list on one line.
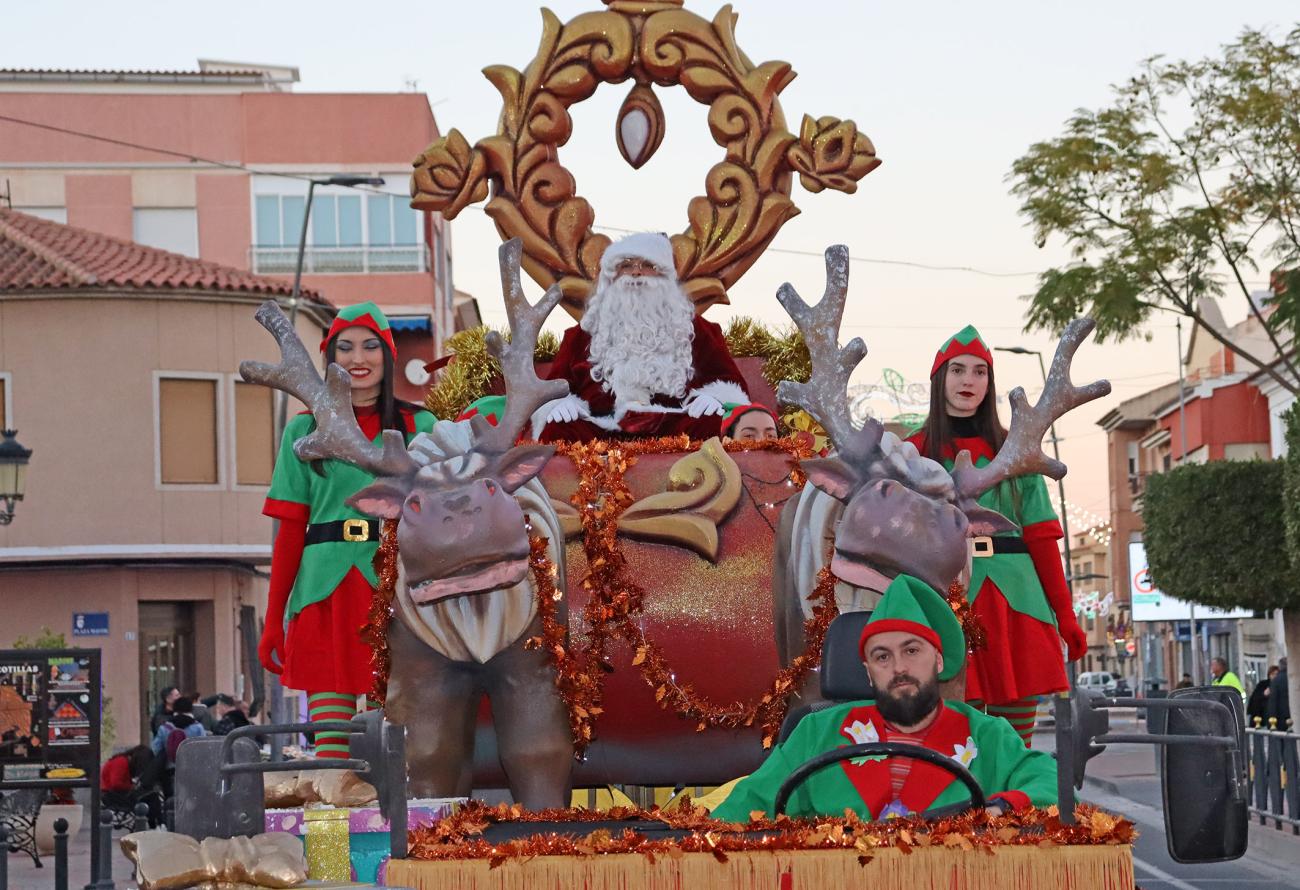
[(843, 675)]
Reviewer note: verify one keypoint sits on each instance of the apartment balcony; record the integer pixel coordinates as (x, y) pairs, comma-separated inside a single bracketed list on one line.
[(360, 260)]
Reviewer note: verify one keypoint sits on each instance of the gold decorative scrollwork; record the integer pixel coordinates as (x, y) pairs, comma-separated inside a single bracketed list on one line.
[(703, 488), (746, 197)]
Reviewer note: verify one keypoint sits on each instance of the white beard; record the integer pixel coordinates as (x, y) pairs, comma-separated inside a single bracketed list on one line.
[(641, 331)]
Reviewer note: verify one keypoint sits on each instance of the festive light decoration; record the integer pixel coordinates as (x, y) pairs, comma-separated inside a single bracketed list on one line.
[(459, 836)]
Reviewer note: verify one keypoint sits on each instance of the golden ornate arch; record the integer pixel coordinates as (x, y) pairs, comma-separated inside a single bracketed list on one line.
[(747, 194)]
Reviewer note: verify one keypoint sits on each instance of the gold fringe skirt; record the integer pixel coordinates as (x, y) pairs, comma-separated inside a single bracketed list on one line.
[(923, 868)]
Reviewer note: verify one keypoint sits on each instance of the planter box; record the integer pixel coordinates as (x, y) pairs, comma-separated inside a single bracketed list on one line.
[(46, 818)]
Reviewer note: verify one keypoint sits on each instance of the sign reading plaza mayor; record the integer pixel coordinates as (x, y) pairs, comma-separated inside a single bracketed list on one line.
[(1150, 603)]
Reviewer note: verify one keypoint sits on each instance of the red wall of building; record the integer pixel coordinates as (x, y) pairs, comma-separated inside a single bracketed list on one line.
[(1231, 415)]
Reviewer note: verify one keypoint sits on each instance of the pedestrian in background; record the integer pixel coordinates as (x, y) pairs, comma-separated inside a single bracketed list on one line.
[(1225, 677), (1257, 706)]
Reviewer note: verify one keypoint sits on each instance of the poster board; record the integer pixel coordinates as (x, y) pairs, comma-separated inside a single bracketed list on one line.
[(50, 713)]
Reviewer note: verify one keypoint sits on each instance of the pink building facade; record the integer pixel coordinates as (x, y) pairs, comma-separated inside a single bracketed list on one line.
[(215, 164)]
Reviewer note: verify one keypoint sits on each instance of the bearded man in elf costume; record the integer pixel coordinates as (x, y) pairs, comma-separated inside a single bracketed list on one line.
[(641, 362), (1017, 585), (322, 573), (911, 644)]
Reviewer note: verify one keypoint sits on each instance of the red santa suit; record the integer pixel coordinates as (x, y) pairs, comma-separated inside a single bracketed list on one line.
[(600, 413), (715, 374)]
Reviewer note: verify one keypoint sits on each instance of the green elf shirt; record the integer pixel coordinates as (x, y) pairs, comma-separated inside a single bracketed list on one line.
[(1025, 501), (987, 746), (299, 492)]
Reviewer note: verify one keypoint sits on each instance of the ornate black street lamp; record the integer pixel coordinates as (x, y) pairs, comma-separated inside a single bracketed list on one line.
[(13, 474)]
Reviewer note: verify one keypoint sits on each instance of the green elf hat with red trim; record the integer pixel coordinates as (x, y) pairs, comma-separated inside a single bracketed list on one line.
[(967, 341), (491, 407), (911, 605), (362, 315), (735, 411)]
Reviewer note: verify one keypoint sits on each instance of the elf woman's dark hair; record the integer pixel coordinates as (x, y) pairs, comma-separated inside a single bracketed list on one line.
[(937, 428), (390, 407)]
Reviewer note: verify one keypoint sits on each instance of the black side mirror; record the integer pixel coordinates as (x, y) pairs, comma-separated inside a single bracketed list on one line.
[(1203, 783)]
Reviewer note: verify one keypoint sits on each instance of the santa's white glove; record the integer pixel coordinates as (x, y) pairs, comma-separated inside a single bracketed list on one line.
[(703, 405), (566, 410)]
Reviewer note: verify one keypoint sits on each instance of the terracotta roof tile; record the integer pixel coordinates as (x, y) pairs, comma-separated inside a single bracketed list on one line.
[(38, 254)]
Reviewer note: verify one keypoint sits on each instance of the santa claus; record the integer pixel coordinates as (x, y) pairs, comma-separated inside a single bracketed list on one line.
[(641, 362)]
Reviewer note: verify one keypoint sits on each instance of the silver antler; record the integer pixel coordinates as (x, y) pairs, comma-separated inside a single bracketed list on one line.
[(525, 391), (1022, 452), (337, 434), (825, 395)]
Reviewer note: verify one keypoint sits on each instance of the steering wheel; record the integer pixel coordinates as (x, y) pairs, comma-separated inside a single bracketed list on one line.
[(894, 749)]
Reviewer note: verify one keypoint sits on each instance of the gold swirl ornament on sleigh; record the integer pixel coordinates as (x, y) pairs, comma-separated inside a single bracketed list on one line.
[(532, 196)]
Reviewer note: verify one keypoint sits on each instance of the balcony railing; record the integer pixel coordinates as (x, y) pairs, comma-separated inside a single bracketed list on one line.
[(361, 260)]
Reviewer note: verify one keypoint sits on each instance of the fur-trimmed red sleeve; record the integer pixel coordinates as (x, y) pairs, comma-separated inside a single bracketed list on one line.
[(573, 364)]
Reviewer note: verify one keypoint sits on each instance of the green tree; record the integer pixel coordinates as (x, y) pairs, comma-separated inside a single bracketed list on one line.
[(1214, 535), (1177, 191), (45, 639)]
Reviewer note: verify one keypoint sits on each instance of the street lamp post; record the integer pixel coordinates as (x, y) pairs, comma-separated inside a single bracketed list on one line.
[(282, 409), (1060, 484), (13, 474), (346, 181)]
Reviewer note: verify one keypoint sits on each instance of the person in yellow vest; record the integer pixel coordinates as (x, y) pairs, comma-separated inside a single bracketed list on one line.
[(1225, 677)]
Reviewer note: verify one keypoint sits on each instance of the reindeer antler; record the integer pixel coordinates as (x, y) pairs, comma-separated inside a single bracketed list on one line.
[(337, 434), (825, 395), (525, 391), (1022, 452)]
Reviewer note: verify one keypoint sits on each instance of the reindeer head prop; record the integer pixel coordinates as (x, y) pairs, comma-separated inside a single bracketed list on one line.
[(461, 530), (904, 513)]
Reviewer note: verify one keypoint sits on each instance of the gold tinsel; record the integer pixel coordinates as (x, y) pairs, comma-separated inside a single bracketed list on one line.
[(469, 375), (785, 355)]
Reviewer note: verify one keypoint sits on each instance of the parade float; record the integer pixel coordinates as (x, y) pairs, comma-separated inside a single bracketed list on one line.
[(652, 612)]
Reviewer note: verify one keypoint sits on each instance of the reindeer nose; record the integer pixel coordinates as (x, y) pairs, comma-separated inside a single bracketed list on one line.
[(456, 505)]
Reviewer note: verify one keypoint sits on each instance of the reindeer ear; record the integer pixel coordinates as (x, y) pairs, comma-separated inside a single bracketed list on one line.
[(984, 521), (521, 463), (833, 476), (380, 499)]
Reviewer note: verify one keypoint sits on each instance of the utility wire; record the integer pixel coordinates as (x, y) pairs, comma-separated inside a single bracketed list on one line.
[(229, 165)]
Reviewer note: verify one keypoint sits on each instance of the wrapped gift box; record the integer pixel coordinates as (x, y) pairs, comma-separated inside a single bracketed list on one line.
[(350, 843)]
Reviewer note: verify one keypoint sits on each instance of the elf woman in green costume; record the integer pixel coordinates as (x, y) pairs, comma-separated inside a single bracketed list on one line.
[(322, 577), (1018, 591)]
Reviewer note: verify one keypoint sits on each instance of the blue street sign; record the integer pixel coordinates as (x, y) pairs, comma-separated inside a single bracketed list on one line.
[(90, 624)]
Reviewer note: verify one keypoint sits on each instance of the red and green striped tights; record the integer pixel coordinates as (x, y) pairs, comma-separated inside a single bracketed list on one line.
[(334, 706), (1020, 713)]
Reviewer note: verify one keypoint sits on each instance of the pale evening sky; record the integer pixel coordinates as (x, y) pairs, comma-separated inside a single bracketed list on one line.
[(950, 93)]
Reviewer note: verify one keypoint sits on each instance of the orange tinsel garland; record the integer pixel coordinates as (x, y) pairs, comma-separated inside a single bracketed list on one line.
[(971, 626), (614, 601), (459, 836), (375, 631)]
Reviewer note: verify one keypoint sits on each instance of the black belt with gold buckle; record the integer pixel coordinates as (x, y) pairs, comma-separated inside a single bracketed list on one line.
[(988, 546), (353, 530)]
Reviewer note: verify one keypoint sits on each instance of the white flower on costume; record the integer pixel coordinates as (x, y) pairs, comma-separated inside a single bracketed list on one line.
[(964, 754), (861, 733)]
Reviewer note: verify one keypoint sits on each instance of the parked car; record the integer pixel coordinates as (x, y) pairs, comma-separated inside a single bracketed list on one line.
[(1098, 681), (1122, 689)]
